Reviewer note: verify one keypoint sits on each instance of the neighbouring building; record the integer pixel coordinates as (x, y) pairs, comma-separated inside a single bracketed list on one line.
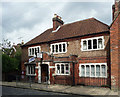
[(85, 52)]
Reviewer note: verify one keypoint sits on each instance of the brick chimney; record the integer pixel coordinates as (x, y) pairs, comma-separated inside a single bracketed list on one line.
[(115, 48), (115, 8), (57, 21)]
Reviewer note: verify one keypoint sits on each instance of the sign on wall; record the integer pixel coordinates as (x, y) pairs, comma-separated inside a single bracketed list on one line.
[(31, 59), (39, 55)]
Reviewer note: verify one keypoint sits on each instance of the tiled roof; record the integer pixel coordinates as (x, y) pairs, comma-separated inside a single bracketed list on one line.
[(79, 28)]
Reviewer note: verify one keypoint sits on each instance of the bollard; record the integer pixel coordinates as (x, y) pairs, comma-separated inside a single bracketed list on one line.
[(16, 80), (46, 83), (30, 81)]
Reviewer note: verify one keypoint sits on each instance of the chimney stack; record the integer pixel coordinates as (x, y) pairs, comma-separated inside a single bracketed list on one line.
[(115, 8), (57, 21)]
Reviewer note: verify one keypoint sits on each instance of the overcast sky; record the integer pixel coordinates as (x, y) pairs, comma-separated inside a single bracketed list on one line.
[(26, 20)]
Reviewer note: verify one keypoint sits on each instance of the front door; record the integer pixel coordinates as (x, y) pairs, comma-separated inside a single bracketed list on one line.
[(44, 73)]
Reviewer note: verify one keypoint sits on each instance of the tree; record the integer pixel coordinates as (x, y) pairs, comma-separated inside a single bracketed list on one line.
[(9, 64), (11, 57)]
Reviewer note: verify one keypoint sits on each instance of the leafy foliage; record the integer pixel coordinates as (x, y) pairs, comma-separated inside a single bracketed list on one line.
[(11, 59), (9, 64)]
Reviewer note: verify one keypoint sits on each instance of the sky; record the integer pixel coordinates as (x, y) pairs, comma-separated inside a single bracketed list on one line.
[(26, 20)]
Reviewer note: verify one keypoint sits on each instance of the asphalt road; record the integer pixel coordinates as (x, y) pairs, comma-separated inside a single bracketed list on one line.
[(20, 91)]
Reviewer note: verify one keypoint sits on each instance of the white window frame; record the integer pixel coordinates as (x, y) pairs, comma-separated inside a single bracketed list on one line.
[(61, 70), (58, 47), (34, 50), (102, 37), (31, 67), (95, 64)]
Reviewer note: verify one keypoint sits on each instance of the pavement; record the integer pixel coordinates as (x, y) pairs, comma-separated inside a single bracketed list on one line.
[(75, 90)]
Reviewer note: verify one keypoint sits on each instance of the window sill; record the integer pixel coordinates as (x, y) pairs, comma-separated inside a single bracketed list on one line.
[(59, 53), (92, 50), (62, 74), (31, 74), (92, 77)]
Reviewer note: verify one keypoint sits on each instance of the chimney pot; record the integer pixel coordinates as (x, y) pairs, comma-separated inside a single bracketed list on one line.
[(55, 15)]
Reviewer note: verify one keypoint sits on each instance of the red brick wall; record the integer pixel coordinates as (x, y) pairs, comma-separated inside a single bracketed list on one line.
[(115, 53), (119, 48), (93, 81)]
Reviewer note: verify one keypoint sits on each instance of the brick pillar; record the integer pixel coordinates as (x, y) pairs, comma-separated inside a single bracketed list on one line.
[(115, 53), (74, 73)]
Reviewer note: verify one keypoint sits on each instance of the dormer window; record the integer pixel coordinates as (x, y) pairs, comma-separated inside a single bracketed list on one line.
[(59, 48), (95, 43)]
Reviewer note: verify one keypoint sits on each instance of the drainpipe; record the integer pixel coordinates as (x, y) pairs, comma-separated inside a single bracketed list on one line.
[(73, 84)]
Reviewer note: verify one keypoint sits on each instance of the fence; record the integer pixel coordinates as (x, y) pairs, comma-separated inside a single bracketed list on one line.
[(30, 81)]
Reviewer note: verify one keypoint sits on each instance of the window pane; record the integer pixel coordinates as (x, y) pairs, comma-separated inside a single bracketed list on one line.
[(82, 70), (89, 44), (87, 70), (94, 43), (58, 69), (100, 45), (67, 69), (35, 51), (92, 70), (56, 48), (97, 70), (84, 45), (60, 48), (103, 70), (53, 48), (63, 47), (33, 69), (38, 50), (62, 69), (29, 70), (32, 51)]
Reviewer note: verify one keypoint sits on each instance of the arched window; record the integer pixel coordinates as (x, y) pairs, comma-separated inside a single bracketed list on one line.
[(87, 70), (100, 45), (85, 45), (103, 70), (97, 70), (82, 70)]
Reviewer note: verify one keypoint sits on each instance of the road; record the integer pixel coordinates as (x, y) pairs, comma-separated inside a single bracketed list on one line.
[(20, 91), (14, 92)]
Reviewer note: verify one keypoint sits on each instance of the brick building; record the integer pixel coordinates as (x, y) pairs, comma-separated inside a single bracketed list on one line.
[(80, 53)]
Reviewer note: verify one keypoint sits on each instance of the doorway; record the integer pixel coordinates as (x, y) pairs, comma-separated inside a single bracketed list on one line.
[(44, 73)]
